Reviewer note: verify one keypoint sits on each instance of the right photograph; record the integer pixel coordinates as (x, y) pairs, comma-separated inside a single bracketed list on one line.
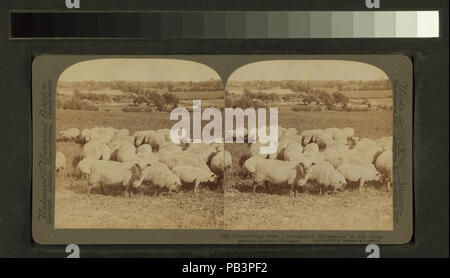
[(318, 155)]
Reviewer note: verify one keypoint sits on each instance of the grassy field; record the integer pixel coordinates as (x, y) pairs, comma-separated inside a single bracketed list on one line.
[(368, 94), (217, 103), (237, 208), (203, 95)]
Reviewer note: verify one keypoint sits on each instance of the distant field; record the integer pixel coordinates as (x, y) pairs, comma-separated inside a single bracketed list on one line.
[(240, 90), (368, 94), (200, 95), (238, 208), (69, 91), (382, 101), (181, 95), (205, 103), (133, 121)]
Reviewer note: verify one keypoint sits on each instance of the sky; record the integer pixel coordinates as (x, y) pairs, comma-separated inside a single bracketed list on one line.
[(308, 70), (138, 70), (141, 69)]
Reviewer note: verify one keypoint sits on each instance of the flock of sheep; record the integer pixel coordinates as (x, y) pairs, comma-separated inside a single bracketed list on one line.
[(326, 159), (112, 157)]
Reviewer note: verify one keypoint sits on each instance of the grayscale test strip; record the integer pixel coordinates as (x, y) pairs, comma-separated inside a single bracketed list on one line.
[(226, 24)]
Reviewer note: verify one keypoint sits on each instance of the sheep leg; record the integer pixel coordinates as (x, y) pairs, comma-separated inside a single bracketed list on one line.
[(126, 190), (220, 185), (291, 190), (361, 183), (388, 185), (91, 185), (268, 187), (196, 185), (255, 184)]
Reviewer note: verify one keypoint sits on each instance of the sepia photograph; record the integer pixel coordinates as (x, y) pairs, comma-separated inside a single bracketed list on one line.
[(116, 165), (334, 151)]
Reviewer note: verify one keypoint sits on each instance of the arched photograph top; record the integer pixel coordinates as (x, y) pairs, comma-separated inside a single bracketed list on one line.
[(113, 139), (335, 115), (137, 85), (311, 85)]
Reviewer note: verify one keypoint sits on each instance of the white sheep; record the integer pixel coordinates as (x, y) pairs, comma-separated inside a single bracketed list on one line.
[(116, 144), (122, 133), (96, 150), (121, 137), (174, 160), (332, 131), (169, 147), (126, 153), (385, 143), (337, 159), (84, 166), (315, 156), (221, 162), (383, 164), (88, 135), (160, 176), (60, 161), (201, 150), (111, 173), (70, 134), (144, 150), (164, 132), (139, 137), (154, 139), (348, 131), (106, 151), (355, 173), (293, 152), (220, 147), (255, 151), (91, 150), (194, 175), (282, 172), (104, 135), (368, 147), (311, 148), (289, 131), (323, 140), (309, 136), (324, 174), (250, 164), (282, 144), (292, 138), (337, 147)]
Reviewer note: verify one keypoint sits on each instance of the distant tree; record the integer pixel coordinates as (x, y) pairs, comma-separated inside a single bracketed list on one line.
[(138, 100), (171, 99), (340, 98), (308, 99), (170, 88), (77, 93)]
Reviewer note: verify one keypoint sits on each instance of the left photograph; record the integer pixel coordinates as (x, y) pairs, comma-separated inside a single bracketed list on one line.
[(119, 162)]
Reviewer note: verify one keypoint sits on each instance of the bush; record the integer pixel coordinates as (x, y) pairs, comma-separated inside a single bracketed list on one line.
[(306, 108), (243, 102), (75, 103), (132, 109)]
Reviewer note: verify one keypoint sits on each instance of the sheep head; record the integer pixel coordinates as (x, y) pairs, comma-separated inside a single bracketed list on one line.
[(303, 171)]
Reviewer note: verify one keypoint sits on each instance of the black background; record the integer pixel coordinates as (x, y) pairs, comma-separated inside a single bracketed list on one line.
[(431, 179)]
